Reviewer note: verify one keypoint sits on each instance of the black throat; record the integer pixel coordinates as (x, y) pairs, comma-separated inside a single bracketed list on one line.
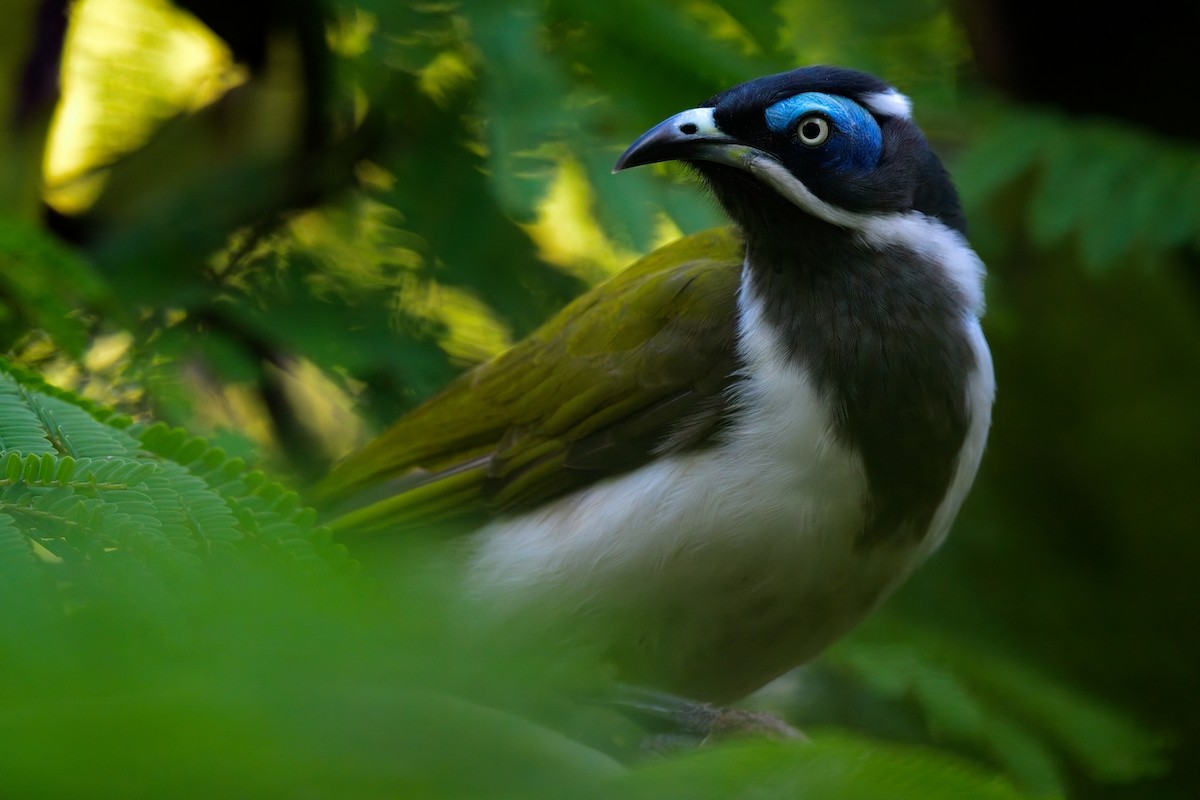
[(880, 332)]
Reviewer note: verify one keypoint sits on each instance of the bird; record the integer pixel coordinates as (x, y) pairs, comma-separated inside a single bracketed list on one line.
[(722, 459)]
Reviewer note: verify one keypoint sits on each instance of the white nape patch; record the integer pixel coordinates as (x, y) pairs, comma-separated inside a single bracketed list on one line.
[(777, 176), (889, 104), (929, 237), (912, 229)]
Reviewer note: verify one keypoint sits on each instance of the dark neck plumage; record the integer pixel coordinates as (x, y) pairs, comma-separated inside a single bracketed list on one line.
[(880, 333)]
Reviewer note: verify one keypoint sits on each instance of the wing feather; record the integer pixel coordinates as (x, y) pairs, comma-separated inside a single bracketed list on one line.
[(634, 368)]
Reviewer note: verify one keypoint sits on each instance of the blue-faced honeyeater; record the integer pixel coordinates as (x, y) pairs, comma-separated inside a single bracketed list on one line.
[(731, 452)]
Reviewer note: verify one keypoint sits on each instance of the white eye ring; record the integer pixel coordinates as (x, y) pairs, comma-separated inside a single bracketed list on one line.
[(813, 130)]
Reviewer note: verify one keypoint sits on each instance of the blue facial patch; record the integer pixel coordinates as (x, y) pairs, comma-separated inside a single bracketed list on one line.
[(855, 142)]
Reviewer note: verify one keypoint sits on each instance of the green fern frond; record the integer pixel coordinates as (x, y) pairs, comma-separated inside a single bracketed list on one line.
[(31, 381), (258, 513), (20, 427), (74, 431), (46, 281), (1111, 189), (83, 486), (16, 553), (1009, 712)]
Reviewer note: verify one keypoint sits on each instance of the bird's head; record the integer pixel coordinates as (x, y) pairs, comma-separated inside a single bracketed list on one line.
[(818, 142)]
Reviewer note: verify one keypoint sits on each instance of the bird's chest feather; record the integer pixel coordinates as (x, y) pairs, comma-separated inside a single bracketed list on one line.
[(720, 569)]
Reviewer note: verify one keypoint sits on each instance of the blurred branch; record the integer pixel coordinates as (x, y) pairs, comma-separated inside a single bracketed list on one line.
[(248, 27), (39, 80)]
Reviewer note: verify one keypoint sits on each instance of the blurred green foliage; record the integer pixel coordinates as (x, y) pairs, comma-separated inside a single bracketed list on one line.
[(349, 218)]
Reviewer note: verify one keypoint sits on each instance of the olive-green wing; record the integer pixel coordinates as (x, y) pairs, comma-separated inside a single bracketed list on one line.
[(636, 367)]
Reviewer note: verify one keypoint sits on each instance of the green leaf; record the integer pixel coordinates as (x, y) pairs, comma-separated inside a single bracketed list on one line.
[(1170, 219), (16, 556), (1110, 746), (1005, 149), (517, 87), (830, 766), (21, 428), (1067, 177), (218, 502), (167, 498), (45, 284), (74, 431), (759, 18), (625, 202), (1017, 716)]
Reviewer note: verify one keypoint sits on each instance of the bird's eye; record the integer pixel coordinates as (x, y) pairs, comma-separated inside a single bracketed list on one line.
[(813, 130)]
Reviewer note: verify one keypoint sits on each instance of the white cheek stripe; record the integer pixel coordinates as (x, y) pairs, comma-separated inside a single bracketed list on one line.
[(777, 176)]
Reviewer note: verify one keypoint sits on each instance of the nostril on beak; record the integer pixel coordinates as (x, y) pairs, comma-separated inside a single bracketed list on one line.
[(688, 128)]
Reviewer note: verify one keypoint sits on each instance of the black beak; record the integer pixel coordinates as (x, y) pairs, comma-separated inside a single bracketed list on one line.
[(691, 134)]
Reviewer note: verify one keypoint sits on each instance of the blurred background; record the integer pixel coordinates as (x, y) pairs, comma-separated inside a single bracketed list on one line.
[(279, 225)]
